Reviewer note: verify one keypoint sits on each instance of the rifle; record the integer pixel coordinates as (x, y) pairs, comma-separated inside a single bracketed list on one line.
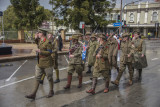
[(99, 48)]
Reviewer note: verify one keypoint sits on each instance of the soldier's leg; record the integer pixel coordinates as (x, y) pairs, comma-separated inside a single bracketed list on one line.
[(71, 70), (130, 68), (122, 68), (38, 74), (94, 81), (140, 74), (79, 70), (106, 75), (89, 69), (114, 62), (49, 74), (57, 70)]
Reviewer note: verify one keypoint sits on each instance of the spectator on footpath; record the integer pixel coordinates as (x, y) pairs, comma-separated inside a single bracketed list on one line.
[(149, 34), (60, 43)]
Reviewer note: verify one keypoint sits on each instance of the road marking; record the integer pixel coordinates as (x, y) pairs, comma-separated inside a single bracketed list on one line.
[(16, 71), (154, 59), (25, 79), (89, 81), (66, 59)]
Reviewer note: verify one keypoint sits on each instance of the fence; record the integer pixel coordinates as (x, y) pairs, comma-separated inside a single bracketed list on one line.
[(10, 35)]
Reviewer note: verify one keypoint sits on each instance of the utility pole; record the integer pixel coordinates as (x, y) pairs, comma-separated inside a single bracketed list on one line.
[(52, 17), (120, 17)]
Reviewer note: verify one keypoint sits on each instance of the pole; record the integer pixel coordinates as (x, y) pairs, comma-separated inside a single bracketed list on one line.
[(3, 30), (120, 17), (52, 17), (156, 31)]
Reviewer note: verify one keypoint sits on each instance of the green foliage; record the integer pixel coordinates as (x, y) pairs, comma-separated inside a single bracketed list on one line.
[(92, 12), (29, 14)]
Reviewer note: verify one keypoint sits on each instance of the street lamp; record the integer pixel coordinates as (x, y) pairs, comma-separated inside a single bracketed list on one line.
[(123, 10)]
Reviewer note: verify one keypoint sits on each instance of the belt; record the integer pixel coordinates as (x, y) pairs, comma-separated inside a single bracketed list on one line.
[(42, 56)]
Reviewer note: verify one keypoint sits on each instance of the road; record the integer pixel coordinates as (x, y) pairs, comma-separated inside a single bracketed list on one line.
[(18, 80)]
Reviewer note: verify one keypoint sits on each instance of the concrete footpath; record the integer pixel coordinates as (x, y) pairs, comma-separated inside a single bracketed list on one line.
[(21, 51)]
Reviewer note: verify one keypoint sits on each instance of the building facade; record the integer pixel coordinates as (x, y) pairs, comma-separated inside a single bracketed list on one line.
[(142, 16)]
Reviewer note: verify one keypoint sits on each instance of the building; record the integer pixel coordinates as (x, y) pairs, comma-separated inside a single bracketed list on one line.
[(142, 16)]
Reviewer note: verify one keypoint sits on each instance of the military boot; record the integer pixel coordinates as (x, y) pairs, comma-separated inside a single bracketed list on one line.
[(116, 82), (51, 92), (80, 81), (69, 82), (94, 83), (106, 90), (33, 95), (89, 70), (57, 75), (140, 74)]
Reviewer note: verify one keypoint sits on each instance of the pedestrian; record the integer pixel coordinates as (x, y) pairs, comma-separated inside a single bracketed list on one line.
[(149, 35), (101, 66), (139, 54), (60, 43), (44, 64), (75, 61), (126, 58), (91, 49)]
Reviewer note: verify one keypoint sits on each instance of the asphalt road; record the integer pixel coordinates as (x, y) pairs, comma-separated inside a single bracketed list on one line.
[(18, 80)]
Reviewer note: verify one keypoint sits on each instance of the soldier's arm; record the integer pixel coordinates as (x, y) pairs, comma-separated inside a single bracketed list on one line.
[(79, 53), (131, 49), (116, 49), (143, 48), (47, 52)]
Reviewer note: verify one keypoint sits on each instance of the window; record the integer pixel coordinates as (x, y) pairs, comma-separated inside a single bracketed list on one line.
[(154, 16), (131, 17), (115, 17)]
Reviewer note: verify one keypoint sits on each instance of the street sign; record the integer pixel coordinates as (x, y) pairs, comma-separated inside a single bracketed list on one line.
[(117, 24), (81, 25), (1, 13)]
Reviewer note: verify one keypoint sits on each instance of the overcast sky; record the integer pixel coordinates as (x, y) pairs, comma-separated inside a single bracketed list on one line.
[(4, 3)]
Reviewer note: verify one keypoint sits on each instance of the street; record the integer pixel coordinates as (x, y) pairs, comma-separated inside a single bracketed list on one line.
[(18, 80)]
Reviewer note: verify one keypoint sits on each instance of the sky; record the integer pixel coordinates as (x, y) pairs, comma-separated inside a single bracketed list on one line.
[(4, 3)]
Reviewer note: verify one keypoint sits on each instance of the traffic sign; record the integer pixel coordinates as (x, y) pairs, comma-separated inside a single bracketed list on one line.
[(1, 13), (117, 24), (81, 25)]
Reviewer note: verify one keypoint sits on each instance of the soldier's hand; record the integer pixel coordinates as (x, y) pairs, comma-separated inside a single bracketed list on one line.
[(129, 55), (71, 56), (142, 55), (38, 50), (98, 56)]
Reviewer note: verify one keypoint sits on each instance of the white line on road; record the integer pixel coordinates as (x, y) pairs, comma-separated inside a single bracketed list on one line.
[(25, 79), (16, 71), (154, 59), (66, 58)]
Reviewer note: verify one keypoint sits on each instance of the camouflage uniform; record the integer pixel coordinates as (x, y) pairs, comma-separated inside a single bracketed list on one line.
[(127, 49)]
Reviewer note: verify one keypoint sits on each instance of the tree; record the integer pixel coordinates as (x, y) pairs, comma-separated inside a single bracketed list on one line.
[(92, 12), (29, 14)]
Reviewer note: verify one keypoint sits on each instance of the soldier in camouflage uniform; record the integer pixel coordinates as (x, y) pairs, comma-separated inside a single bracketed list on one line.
[(44, 64), (139, 54), (113, 51), (126, 58), (101, 66), (75, 61), (91, 49)]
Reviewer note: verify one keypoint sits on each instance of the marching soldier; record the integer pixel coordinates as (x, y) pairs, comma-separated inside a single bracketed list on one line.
[(126, 59), (91, 49), (54, 55), (75, 61), (101, 66), (113, 51), (139, 54), (44, 64)]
